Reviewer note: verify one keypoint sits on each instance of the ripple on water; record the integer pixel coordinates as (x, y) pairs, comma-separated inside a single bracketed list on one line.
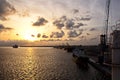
[(39, 64)]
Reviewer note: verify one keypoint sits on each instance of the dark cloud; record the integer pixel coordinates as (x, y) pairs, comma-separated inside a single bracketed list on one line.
[(6, 9), (77, 18), (63, 18), (24, 13), (32, 35), (93, 38), (57, 34), (17, 34), (87, 33), (38, 35), (2, 18), (41, 21), (60, 22), (57, 40), (74, 33), (70, 24), (3, 28), (67, 23), (83, 37), (44, 36), (78, 25), (85, 18), (51, 40), (75, 11), (93, 29)]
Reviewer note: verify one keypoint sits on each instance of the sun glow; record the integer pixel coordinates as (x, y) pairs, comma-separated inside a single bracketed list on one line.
[(30, 35), (29, 38)]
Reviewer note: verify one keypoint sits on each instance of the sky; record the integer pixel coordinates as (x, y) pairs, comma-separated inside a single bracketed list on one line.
[(55, 22)]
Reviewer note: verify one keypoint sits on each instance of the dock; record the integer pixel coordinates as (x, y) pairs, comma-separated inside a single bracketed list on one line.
[(103, 68)]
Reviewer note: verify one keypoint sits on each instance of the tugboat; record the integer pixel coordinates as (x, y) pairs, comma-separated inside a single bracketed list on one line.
[(80, 58), (15, 46)]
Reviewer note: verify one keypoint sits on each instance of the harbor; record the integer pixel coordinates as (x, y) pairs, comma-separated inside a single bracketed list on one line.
[(93, 60), (109, 64), (60, 40)]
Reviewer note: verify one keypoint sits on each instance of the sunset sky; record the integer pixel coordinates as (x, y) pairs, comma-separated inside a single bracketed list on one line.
[(53, 22)]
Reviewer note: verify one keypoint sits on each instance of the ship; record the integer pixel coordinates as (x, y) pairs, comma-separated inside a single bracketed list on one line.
[(15, 46), (80, 58)]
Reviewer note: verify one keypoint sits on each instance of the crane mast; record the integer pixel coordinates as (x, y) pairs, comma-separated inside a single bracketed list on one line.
[(107, 19), (104, 37)]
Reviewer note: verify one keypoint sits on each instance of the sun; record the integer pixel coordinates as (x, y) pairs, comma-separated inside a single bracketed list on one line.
[(29, 38), (29, 35)]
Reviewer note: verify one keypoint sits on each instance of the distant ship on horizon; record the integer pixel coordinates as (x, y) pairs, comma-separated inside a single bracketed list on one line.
[(15, 46)]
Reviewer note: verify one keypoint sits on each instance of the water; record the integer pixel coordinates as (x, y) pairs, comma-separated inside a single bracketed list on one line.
[(40, 63)]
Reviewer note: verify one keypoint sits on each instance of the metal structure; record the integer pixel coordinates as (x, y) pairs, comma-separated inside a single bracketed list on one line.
[(107, 19), (104, 37), (116, 55)]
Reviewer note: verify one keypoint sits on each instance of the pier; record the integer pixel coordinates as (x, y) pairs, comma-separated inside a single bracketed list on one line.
[(104, 69)]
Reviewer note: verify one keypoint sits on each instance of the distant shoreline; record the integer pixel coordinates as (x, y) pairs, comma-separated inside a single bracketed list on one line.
[(55, 46), (28, 46), (36, 46)]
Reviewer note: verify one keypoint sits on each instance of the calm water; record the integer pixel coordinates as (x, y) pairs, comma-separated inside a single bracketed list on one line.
[(40, 64)]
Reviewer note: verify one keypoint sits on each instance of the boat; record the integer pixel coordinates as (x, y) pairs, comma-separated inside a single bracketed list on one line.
[(15, 46), (69, 48), (80, 58)]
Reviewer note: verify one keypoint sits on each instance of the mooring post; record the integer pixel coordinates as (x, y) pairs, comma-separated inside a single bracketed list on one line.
[(116, 55)]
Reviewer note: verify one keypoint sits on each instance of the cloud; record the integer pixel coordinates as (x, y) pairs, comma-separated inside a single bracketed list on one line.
[(78, 25), (69, 39), (41, 21), (85, 18), (93, 29), (87, 33), (24, 13), (74, 33), (50, 40), (60, 22), (38, 35), (57, 34), (44, 36), (75, 11), (17, 34), (32, 35), (93, 38), (68, 23), (72, 24), (2, 18), (82, 37), (63, 18), (6, 9), (3, 28)]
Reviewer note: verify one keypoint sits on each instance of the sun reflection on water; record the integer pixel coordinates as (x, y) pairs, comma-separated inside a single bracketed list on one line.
[(29, 66)]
